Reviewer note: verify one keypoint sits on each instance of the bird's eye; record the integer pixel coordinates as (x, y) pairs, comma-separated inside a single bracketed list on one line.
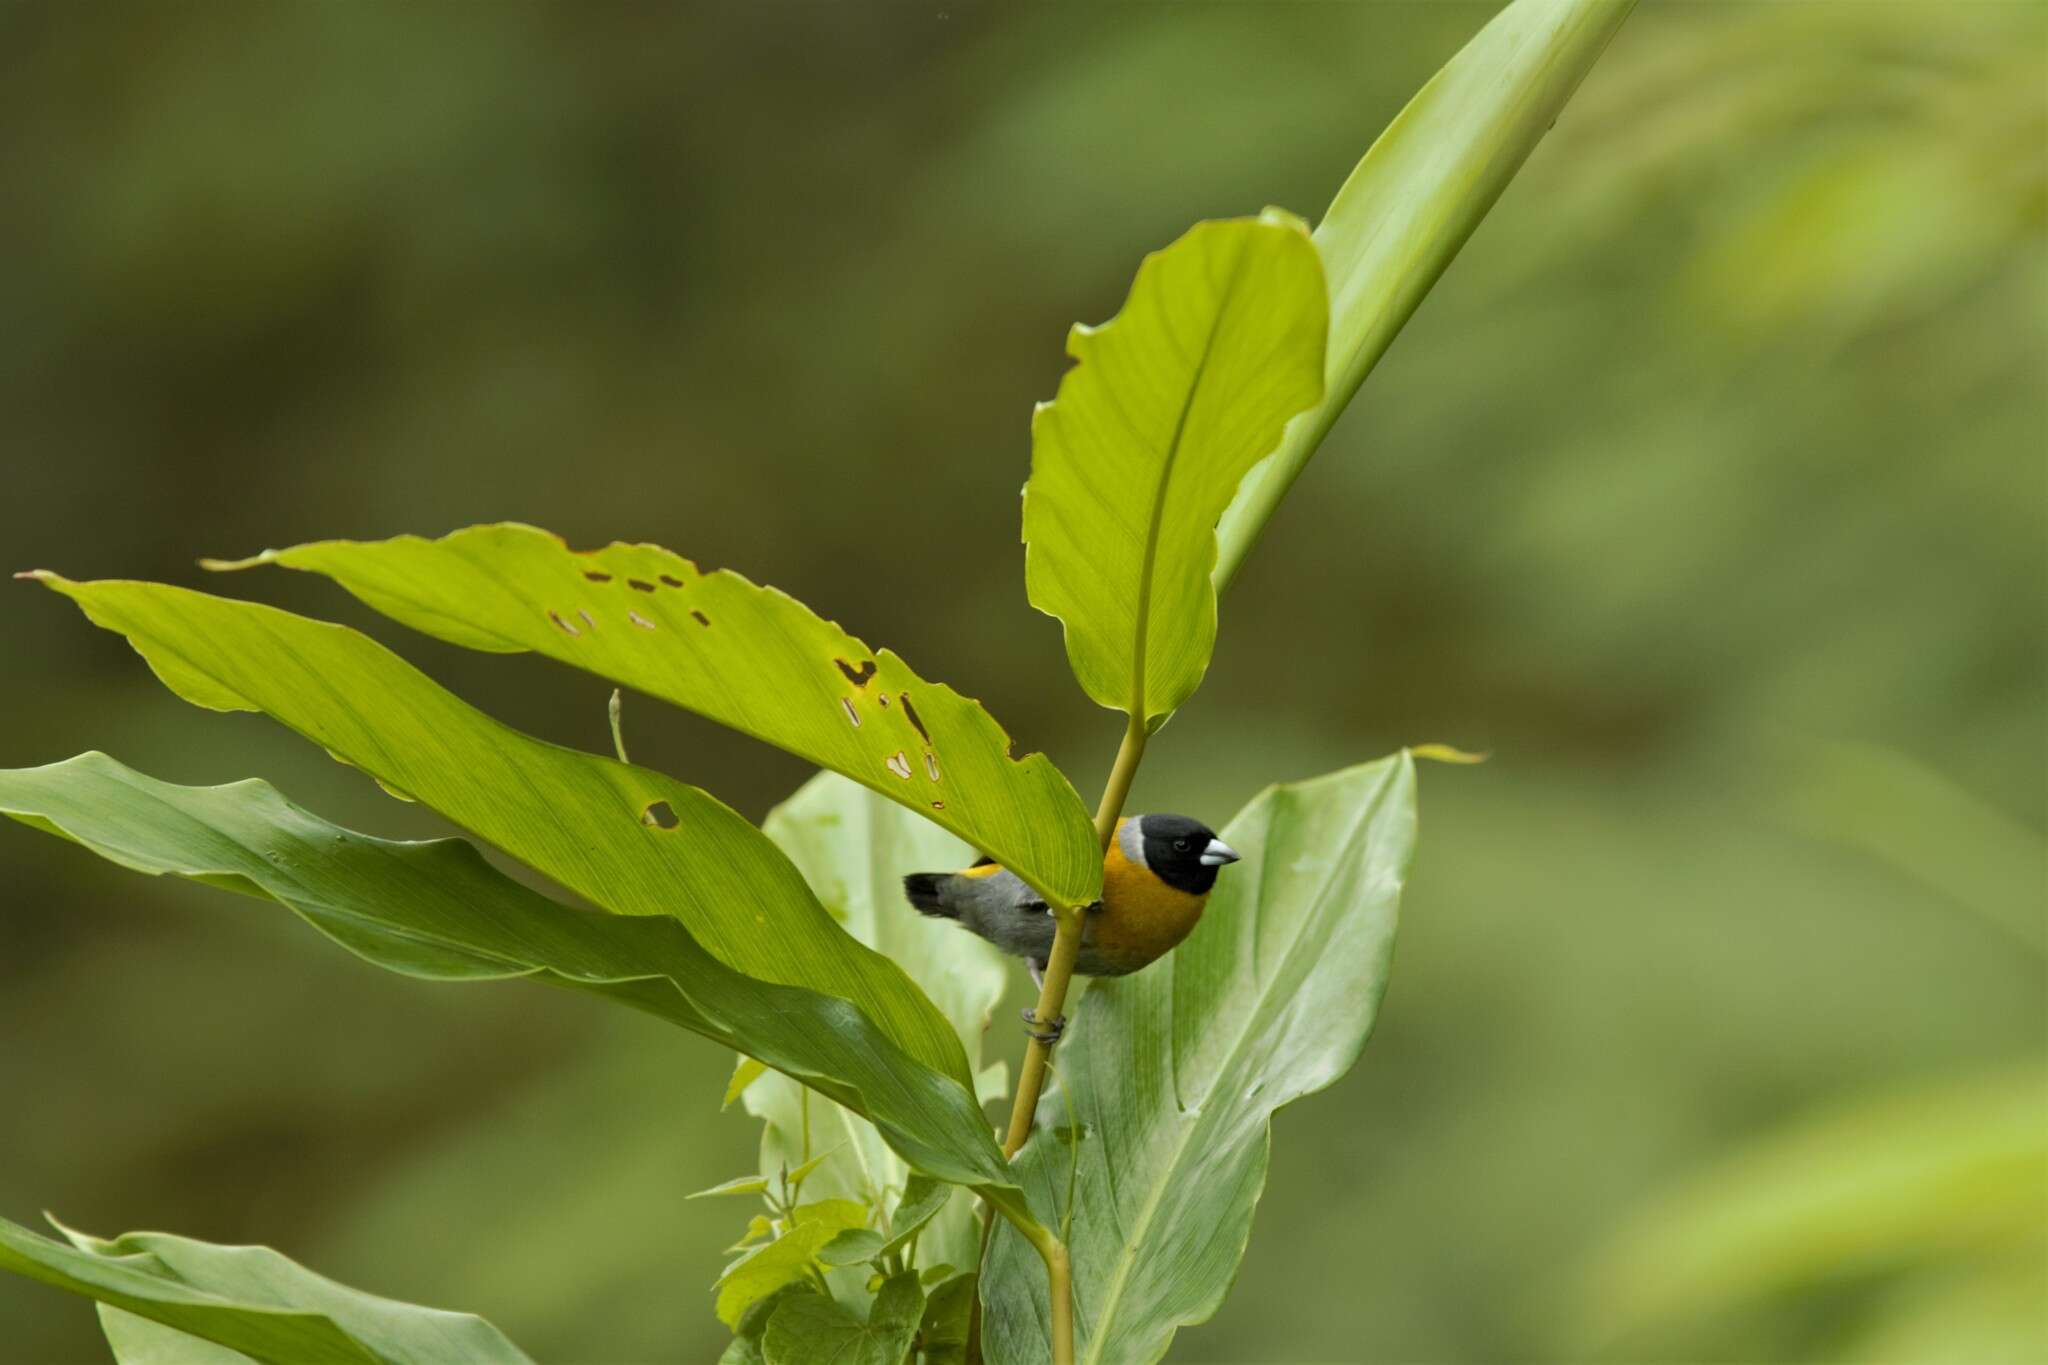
[(1181, 845)]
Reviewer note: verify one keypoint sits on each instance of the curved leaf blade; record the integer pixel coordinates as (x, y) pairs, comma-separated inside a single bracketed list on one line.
[(1169, 404), (1408, 208), (1174, 1073), (744, 655), (633, 841), (438, 911), (252, 1300), (853, 848)]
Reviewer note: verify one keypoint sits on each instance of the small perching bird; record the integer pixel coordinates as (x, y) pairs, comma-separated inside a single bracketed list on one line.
[(1156, 879)]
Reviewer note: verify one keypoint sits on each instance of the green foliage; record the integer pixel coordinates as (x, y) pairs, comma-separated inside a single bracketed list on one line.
[(1404, 213), (247, 1299), (854, 848), (809, 1328), (1947, 1178), (440, 912), (1167, 406), (1150, 1156), (631, 840), (746, 656), (1171, 1076)]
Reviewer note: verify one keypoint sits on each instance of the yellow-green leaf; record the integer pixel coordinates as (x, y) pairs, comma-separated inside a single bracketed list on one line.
[(633, 841), (744, 655), (764, 1270), (1168, 405)]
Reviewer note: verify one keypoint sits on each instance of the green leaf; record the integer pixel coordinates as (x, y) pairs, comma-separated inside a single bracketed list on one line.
[(854, 848), (747, 656), (943, 1330), (633, 841), (814, 1329), (744, 1184), (1408, 207), (438, 911), (745, 1347), (1174, 1073), (1168, 405), (856, 1246), (744, 1073), (788, 1258), (248, 1299)]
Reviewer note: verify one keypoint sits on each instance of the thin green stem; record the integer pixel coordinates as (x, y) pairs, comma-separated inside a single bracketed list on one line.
[(618, 731)]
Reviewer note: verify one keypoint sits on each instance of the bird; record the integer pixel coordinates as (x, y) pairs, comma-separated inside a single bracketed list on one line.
[(1156, 878)]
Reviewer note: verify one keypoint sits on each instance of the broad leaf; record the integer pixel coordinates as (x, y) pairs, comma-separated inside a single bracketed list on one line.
[(943, 1330), (1168, 405), (1408, 207), (854, 849), (633, 841), (1174, 1073), (247, 1299), (440, 912), (782, 1262), (810, 1329), (746, 656)]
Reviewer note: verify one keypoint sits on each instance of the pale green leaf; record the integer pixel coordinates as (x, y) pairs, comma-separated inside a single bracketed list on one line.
[(1174, 1073), (138, 1341), (745, 1347), (247, 1299), (745, 1072), (1408, 207), (788, 1258), (439, 911), (746, 656), (744, 1184), (813, 1329), (633, 841), (1168, 405), (854, 848)]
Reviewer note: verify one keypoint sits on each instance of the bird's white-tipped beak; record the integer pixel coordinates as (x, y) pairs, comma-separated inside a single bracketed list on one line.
[(1218, 853)]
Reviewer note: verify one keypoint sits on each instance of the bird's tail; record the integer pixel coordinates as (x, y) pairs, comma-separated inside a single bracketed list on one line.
[(924, 891)]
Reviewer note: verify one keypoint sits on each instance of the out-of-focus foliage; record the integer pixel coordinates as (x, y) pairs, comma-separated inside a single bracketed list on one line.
[(1694, 455)]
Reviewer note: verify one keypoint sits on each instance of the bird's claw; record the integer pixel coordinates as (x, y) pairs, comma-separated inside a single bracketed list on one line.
[(1048, 1034)]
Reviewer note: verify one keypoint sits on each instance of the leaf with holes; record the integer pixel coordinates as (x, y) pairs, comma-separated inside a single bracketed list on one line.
[(1409, 206), (1168, 405), (439, 912), (744, 655), (244, 1299), (854, 848), (1174, 1073), (633, 841)]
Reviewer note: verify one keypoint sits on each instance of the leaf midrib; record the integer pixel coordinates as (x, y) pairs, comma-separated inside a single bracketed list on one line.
[(1127, 1258), (1147, 570)]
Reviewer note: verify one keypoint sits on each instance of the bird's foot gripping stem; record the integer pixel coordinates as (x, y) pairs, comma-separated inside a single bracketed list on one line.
[(1047, 1034)]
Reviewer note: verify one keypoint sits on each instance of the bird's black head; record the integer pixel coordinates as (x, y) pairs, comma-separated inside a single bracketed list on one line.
[(1184, 853)]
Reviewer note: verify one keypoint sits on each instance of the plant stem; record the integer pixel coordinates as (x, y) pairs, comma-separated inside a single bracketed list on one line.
[(1059, 1272), (1066, 943)]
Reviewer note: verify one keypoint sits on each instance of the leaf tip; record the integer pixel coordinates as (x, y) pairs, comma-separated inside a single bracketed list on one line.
[(212, 565), (1444, 753)]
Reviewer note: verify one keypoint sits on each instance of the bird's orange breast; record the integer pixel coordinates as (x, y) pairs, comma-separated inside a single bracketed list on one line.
[(1141, 916)]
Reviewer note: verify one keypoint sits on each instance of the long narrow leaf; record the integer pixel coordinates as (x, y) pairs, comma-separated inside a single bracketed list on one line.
[(746, 656), (1420, 192), (1173, 1074), (1169, 403), (251, 1300), (438, 911), (633, 841)]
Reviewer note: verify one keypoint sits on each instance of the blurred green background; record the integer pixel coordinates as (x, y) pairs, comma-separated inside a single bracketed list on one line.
[(1707, 492)]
